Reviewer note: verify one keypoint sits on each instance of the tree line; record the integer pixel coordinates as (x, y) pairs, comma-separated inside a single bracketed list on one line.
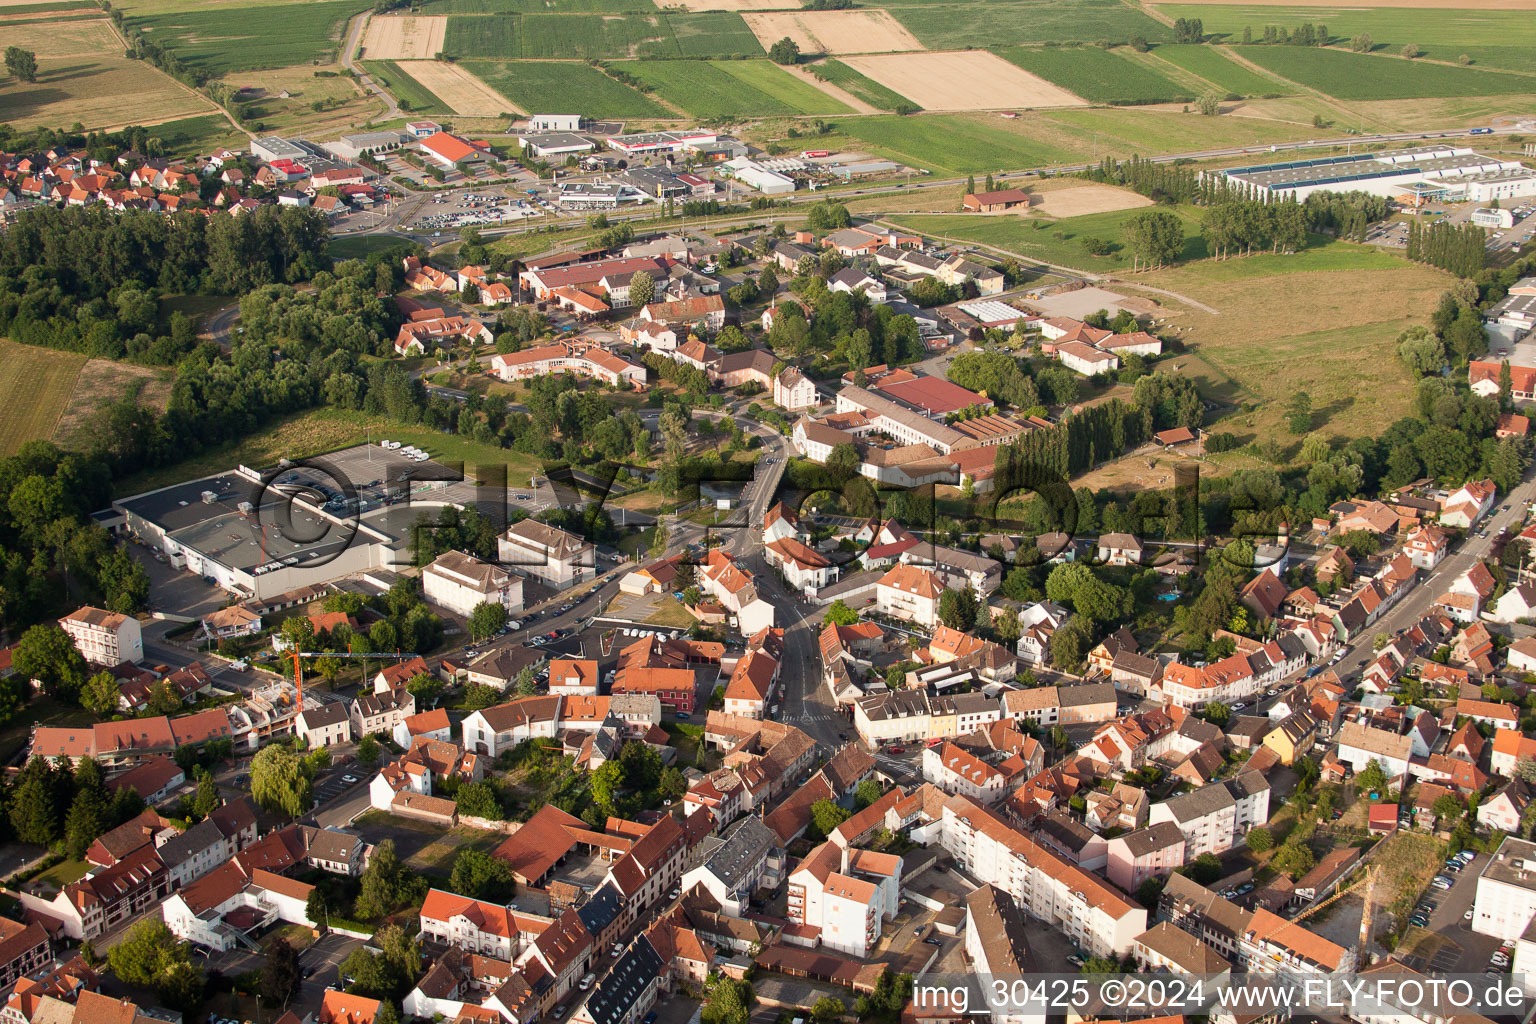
[(1461, 249)]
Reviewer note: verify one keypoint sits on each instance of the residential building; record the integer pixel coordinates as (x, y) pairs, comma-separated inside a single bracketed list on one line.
[(1216, 817), (460, 583), (104, 638), (996, 940), (732, 866), (910, 593), (1151, 852), (324, 726), (840, 896), (560, 559)]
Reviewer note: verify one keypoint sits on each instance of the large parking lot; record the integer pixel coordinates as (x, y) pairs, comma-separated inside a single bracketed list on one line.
[(473, 209), (1452, 946)]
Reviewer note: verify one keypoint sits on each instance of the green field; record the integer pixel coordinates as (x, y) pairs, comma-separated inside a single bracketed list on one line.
[(201, 134), (968, 26), (592, 36), (734, 88), (1215, 67), (52, 6), (222, 40), (553, 85), (1359, 76), (950, 144), (1038, 239), (1388, 26), (35, 385), (413, 96), (356, 247), (1097, 75), (856, 84), (531, 6)]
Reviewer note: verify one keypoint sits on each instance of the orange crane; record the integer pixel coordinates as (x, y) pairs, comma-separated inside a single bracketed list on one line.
[(298, 671)]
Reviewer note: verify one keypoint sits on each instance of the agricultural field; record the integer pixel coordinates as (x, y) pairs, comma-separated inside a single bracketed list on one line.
[(834, 32), (457, 88), (1215, 67), (403, 37), (411, 94), (536, 6), (711, 89), (1081, 198), (1097, 75), (591, 36), (949, 145), (1359, 76), (201, 134), (1277, 346), (1389, 26), (944, 26), (220, 40), (859, 86), (569, 86), (1059, 242), (35, 387), (344, 101), (964, 80), (32, 8), (83, 76)]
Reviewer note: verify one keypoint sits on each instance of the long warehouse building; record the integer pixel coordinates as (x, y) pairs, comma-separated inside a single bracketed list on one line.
[(1441, 174)]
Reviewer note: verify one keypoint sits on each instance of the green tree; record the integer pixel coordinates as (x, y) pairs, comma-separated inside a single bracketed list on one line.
[(478, 696), (1372, 778), (839, 614), (47, 654), (867, 793), (825, 817), (673, 784), (480, 876), (367, 750), (1260, 839), (386, 883), (145, 953), (35, 803), (279, 973), (21, 63), (1217, 713), (843, 461), (785, 51), (605, 785), (207, 799), (526, 685), (1155, 237), (478, 800), (828, 1009), (486, 620), (281, 782), (642, 288), (101, 694), (957, 609)]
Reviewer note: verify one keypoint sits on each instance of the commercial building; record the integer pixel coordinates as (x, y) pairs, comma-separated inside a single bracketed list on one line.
[(558, 558), (1443, 173), (755, 175)]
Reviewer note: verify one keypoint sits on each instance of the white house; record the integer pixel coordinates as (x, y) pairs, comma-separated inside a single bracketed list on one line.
[(205, 912), (324, 726), (459, 583), (803, 567), (558, 558), (104, 638), (794, 391), (911, 593)]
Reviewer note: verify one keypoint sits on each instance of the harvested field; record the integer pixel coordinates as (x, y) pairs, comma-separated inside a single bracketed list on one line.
[(461, 91), (403, 37), (49, 5), (873, 31), (102, 89), (951, 81), (1482, 5), (1084, 199), (100, 383), (71, 38), (35, 386), (725, 5)]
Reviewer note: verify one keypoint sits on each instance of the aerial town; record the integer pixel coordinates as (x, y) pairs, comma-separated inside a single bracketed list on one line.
[(859, 502)]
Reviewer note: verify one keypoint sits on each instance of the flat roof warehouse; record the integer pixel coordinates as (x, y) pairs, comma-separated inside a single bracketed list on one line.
[(1389, 174), (262, 539)]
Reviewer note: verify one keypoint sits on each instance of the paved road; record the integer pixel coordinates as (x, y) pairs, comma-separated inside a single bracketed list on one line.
[(348, 49), (1418, 601)]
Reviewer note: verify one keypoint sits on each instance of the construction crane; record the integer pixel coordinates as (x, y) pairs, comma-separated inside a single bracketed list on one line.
[(1369, 878), (298, 671)]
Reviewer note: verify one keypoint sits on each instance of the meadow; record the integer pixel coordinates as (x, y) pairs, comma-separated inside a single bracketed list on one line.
[(1359, 76), (1388, 26), (718, 89), (858, 85), (572, 87), (1059, 242), (953, 145), (412, 95), (1096, 75), (1215, 67), (961, 26), (592, 36), (227, 39), (35, 385)]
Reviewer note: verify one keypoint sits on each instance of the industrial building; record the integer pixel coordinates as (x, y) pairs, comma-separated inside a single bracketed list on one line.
[(350, 147), (753, 174), (1441, 174), (543, 144)]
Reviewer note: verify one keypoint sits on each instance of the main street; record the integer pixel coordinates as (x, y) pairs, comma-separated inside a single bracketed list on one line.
[(1419, 601)]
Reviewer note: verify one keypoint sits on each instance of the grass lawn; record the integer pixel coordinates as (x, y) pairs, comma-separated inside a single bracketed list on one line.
[(245, 38), (671, 615), (35, 385), (944, 26), (1338, 344), (62, 874), (356, 247), (858, 84), (324, 430), (717, 89), (549, 85), (1097, 75), (685, 738), (1058, 242), (1215, 67), (1359, 76), (638, 545), (413, 96)]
